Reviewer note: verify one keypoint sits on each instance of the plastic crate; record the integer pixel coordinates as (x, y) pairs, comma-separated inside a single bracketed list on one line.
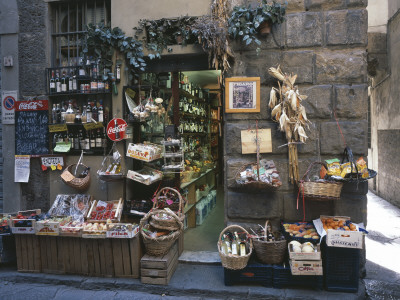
[(253, 273), (341, 268), (283, 278)]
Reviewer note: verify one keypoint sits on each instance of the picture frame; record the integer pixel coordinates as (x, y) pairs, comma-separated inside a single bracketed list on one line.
[(242, 95)]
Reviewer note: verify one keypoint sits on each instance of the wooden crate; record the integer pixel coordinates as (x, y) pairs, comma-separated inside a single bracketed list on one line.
[(126, 255), (28, 253), (51, 255), (159, 269)]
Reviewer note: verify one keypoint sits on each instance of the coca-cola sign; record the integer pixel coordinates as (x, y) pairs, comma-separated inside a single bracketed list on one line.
[(32, 105), (116, 129)]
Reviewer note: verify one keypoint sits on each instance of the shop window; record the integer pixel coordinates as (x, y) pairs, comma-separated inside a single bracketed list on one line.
[(69, 20)]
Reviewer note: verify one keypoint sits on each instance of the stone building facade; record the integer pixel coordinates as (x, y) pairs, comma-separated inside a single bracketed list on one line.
[(324, 42)]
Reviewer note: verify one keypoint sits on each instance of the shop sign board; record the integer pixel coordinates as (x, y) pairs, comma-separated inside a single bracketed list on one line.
[(8, 99), (49, 161), (116, 129)]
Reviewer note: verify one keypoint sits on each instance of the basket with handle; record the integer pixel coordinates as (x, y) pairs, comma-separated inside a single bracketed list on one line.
[(319, 190), (354, 175), (160, 245), (68, 176), (270, 252), (234, 262), (159, 220)]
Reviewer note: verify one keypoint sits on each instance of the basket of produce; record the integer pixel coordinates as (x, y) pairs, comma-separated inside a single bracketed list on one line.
[(158, 242), (349, 170), (77, 175), (261, 175), (270, 247), (319, 189), (171, 199), (186, 176), (234, 247), (301, 232)]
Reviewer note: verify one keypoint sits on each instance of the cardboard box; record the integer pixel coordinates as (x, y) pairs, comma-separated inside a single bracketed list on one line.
[(23, 230), (306, 267), (130, 232), (142, 177), (117, 208), (342, 238), (46, 227), (141, 153), (303, 255)]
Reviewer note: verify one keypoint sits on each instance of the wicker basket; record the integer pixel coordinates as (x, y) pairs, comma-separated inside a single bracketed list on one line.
[(167, 224), (68, 177), (234, 262), (270, 252), (253, 186), (159, 246), (319, 191)]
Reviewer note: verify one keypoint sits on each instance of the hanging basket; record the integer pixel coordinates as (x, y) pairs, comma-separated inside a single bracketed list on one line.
[(68, 176), (354, 176), (101, 173), (319, 191), (158, 220), (270, 252), (159, 246), (230, 261)]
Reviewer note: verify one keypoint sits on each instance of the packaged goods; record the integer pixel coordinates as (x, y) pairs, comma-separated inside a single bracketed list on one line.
[(333, 167), (347, 168), (146, 152), (362, 167)]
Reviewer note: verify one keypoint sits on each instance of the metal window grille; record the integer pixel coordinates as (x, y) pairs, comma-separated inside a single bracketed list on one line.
[(69, 20)]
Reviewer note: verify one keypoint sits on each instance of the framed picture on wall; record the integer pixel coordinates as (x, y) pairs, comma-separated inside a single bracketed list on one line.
[(242, 95)]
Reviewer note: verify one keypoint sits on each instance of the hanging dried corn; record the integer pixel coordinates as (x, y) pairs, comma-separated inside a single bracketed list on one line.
[(287, 110)]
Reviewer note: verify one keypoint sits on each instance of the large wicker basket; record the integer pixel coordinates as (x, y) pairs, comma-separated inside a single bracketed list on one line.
[(320, 191), (253, 186), (159, 246), (69, 178), (177, 208), (230, 261), (270, 252)]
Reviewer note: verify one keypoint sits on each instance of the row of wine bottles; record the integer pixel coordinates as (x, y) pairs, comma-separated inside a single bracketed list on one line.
[(93, 112), (232, 244), (82, 140)]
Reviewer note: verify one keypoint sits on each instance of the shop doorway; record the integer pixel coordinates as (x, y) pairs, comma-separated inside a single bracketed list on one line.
[(192, 101)]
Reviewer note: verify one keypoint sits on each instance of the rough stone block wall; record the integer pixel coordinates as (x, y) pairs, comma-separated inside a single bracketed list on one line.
[(324, 43), (33, 45)]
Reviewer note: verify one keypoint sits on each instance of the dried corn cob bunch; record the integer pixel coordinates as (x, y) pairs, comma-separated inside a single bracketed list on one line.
[(287, 110)]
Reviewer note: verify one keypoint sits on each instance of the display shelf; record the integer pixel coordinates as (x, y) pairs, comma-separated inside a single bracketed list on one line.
[(188, 207), (77, 93), (194, 133), (192, 116), (186, 184)]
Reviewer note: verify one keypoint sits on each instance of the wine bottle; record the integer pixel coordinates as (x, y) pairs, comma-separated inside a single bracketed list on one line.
[(98, 139), (94, 112), (235, 244), (74, 83), (76, 141), (70, 87), (89, 113), (58, 113), (100, 112), (54, 114), (228, 244), (63, 112), (224, 247), (81, 140), (52, 83), (64, 83), (87, 141), (71, 139), (92, 139), (118, 73), (58, 83)]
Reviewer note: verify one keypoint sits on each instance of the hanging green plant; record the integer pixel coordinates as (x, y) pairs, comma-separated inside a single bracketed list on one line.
[(101, 41), (158, 35), (245, 21)]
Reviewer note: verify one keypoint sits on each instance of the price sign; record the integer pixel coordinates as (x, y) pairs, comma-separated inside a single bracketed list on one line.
[(116, 129), (91, 126), (58, 127)]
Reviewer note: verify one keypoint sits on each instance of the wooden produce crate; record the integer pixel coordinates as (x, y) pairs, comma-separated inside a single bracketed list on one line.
[(71, 230), (94, 233), (117, 206), (47, 227), (5, 225), (28, 229), (28, 252), (143, 177), (115, 230), (159, 269), (126, 255), (51, 255)]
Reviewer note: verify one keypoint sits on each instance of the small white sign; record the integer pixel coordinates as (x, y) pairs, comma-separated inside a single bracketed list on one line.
[(48, 161), (22, 168), (8, 100)]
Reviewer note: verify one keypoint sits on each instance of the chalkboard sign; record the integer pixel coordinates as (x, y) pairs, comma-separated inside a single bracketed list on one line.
[(31, 130)]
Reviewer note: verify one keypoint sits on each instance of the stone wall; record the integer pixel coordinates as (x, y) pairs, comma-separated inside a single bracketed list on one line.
[(33, 45), (324, 43), (385, 120)]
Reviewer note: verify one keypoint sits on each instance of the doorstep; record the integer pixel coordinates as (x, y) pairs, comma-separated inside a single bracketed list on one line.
[(189, 280), (200, 257)]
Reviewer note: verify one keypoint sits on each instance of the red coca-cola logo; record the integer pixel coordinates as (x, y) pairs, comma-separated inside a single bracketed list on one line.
[(32, 105), (116, 129)]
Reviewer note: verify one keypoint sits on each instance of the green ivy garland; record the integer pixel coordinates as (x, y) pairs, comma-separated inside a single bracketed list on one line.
[(101, 40)]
